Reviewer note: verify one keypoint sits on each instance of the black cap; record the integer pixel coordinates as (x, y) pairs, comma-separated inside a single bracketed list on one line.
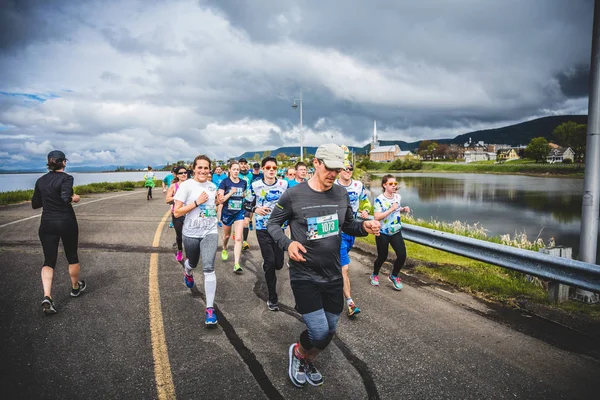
[(56, 154), (256, 165), (243, 160)]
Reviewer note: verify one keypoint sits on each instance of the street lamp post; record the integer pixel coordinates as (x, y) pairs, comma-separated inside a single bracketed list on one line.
[(294, 106)]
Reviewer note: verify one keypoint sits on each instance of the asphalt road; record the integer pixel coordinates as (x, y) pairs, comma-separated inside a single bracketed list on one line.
[(119, 341)]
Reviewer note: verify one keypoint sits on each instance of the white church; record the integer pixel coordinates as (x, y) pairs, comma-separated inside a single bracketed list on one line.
[(386, 153)]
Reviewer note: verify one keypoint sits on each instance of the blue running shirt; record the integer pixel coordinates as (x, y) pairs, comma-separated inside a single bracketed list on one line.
[(235, 203)]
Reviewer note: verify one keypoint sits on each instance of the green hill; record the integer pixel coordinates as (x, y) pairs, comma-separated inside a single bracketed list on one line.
[(514, 135)]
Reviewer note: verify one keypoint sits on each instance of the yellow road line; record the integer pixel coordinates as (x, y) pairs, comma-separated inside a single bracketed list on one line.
[(162, 368)]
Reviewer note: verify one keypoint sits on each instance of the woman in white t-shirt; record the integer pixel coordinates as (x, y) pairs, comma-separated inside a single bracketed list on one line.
[(196, 199), (387, 210)]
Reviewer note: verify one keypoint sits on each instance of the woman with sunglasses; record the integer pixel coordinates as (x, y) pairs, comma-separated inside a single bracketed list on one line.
[(181, 176), (387, 209)]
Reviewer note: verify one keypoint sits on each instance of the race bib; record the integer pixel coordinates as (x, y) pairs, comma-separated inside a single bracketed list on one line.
[(395, 229), (235, 205), (322, 227), (207, 211)]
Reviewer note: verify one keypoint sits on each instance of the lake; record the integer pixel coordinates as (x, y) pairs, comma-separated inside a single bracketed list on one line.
[(548, 207), (9, 182), (502, 204)]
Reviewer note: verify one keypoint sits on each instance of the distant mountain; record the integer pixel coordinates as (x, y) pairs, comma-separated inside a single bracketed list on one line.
[(290, 151), (514, 135)]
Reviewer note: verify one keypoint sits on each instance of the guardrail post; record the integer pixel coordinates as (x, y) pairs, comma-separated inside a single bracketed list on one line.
[(557, 292)]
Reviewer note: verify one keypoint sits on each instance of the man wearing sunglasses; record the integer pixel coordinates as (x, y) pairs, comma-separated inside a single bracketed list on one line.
[(317, 212), (262, 197), (358, 199)]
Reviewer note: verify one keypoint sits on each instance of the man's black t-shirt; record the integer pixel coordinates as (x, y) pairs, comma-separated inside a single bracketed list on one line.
[(316, 220)]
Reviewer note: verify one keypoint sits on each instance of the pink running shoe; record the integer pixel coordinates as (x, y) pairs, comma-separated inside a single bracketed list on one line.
[(374, 280), (179, 256)]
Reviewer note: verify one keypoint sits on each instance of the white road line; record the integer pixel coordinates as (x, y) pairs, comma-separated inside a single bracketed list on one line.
[(74, 205)]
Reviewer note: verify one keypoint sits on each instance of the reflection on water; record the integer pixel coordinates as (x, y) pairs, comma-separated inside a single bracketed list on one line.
[(544, 207)]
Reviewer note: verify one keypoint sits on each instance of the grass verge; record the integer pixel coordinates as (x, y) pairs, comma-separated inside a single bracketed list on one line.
[(484, 280), (19, 196)]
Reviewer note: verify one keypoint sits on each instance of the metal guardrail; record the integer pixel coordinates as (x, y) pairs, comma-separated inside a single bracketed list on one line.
[(570, 272)]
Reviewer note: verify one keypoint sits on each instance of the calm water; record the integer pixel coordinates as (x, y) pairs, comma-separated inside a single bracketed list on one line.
[(544, 207), (548, 207), (10, 182)]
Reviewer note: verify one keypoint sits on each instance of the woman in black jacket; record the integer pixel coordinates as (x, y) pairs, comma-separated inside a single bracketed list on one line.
[(54, 192)]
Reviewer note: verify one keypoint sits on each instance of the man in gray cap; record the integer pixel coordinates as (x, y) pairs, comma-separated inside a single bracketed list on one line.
[(317, 213)]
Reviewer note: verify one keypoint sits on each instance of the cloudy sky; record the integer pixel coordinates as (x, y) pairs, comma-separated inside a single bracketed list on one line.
[(137, 82)]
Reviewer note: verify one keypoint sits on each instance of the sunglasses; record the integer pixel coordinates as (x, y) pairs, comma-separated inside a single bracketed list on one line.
[(182, 173), (349, 169), (393, 183), (269, 168)]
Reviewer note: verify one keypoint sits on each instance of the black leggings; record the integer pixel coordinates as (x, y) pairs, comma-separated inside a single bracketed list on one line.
[(178, 225), (51, 232), (272, 261), (149, 192), (383, 242)]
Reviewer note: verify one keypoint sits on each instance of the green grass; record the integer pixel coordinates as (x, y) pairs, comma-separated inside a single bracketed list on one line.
[(481, 279), (19, 196)]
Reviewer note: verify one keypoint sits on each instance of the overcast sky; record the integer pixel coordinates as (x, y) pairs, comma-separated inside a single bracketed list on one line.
[(138, 82)]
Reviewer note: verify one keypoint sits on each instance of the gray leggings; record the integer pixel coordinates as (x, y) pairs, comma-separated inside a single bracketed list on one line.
[(206, 246)]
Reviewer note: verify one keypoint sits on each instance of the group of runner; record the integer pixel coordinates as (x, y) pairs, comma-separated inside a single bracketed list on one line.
[(320, 213)]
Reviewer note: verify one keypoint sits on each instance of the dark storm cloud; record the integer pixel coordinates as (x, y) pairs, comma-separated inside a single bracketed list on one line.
[(23, 22), (575, 82)]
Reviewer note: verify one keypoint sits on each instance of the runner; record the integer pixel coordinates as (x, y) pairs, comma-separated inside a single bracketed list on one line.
[(261, 199), (299, 174), (357, 194), (166, 182), (257, 175), (387, 208), (149, 182), (231, 194), (317, 212), (217, 178), (196, 200), (290, 176), (54, 192), (246, 175), (180, 177)]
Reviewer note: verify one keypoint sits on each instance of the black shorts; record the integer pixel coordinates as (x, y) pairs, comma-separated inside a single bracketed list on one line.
[(312, 296)]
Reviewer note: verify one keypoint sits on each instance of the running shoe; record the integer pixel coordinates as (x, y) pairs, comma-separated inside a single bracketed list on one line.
[(80, 288), (210, 318), (48, 306), (353, 310), (224, 255), (188, 280), (179, 255), (296, 368), (395, 281), (237, 268), (374, 280), (272, 306), (313, 376), (245, 245)]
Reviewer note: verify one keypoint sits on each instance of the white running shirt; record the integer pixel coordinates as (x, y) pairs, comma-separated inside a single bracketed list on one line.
[(202, 220)]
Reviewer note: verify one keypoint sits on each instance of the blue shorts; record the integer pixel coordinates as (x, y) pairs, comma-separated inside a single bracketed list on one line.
[(229, 219), (345, 247)]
